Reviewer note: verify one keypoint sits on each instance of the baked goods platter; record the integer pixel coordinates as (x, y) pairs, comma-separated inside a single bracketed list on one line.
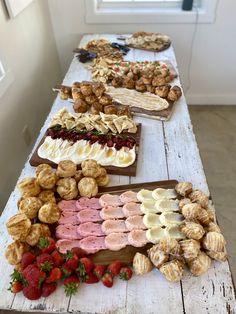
[(71, 229)]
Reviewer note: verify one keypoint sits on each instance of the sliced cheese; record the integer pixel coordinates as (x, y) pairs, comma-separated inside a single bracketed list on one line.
[(148, 206), (155, 234), (160, 193), (173, 231), (151, 220), (164, 205), (169, 218), (144, 194)]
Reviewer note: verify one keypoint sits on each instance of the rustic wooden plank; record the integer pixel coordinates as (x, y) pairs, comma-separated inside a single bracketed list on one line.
[(213, 292)]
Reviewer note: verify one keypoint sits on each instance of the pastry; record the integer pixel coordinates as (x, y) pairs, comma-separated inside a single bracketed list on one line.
[(173, 270), (65, 92), (76, 94), (174, 94), (47, 179), (47, 196), (33, 236), (157, 256), (218, 256), (158, 81), (90, 168), (124, 111), (49, 213), (128, 83), (191, 211), (91, 99), (67, 188), (162, 91), (214, 241), (66, 168), (111, 109), (184, 188), (103, 178), (18, 226), (183, 202), (45, 231), (117, 81), (212, 227), (141, 264), (96, 108), (88, 187), (86, 88), (29, 187), (78, 175), (191, 248), (199, 197), (169, 245), (80, 106), (98, 89), (30, 206), (203, 217), (42, 167), (15, 251), (192, 230), (105, 100), (200, 264), (150, 89)]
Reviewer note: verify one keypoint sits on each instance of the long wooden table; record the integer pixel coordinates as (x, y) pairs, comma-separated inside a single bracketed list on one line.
[(168, 150)]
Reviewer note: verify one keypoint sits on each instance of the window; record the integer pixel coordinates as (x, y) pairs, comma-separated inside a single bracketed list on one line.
[(149, 11)]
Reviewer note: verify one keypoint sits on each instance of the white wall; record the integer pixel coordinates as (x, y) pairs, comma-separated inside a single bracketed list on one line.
[(212, 74), (28, 49)]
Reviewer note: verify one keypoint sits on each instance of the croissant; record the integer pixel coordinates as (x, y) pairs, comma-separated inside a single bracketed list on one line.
[(212, 227), (218, 256), (192, 230), (173, 270), (200, 264), (184, 201), (190, 248), (157, 257), (168, 245), (203, 217), (184, 188), (141, 264), (214, 241), (191, 211), (199, 197)]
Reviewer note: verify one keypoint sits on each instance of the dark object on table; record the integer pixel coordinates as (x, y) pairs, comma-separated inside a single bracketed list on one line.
[(85, 56), (187, 5), (123, 48)]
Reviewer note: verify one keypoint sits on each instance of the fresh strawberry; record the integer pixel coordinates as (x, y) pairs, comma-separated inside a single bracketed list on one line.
[(34, 275), (27, 258), (71, 285), (126, 273), (17, 276), (57, 258), (107, 280), (32, 293), (47, 245), (66, 272), (16, 286), (91, 278), (44, 262), (71, 260), (48, 288), (79, 252), (114, 268), (99, 271), (85, 266), (54, 275)]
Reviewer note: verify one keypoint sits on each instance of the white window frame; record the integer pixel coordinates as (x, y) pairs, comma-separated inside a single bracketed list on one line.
[(118, 15)]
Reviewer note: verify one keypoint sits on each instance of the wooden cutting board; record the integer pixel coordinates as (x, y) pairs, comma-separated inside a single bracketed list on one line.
[(126, 255), (35, 160)]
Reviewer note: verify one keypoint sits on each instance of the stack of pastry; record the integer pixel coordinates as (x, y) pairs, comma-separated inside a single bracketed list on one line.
[(103, 48), (38, 206), (204, 240), (90, 96)]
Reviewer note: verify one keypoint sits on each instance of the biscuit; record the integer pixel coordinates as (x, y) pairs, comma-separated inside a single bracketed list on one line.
[(49, 213), (29, 187), (15, 251), (34, 234), (42, 167), (88, 187), (30, 206), (18, 226), (67, 188), (47, 196), (90, 168), (47, 179), (66, 168)]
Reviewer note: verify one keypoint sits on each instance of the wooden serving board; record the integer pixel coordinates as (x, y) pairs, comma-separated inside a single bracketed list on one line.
[(35, 160), (126, 255), (163, 115)]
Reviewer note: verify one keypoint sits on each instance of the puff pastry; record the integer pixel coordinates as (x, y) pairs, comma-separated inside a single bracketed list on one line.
[(29, 187), (66, 168), (18, 226), (200, 264), (103, 178), (78, 175), (15, 251), (67, 188), (47, 196), (88, 187), (141, 264), (90, 168), (47, 179), (49, 213), (30, 206), (173, 270), (184, 188)]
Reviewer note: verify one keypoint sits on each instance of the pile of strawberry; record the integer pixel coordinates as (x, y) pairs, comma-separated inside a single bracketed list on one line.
[(42, 269)]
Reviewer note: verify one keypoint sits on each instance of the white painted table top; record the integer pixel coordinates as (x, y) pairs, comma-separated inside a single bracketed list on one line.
[(168, 150)]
